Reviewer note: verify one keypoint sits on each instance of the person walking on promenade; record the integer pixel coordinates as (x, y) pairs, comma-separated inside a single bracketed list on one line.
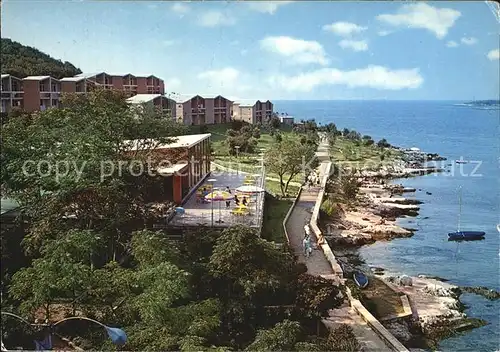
[(307, 245)]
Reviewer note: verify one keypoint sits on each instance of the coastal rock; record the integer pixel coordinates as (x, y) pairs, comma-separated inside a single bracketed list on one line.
[(400, 329), (405, 280), (388, 211)]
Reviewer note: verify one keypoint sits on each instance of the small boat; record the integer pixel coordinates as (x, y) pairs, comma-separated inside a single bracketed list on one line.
[(461, 161), (360, 279), (466, 235), (460, 235)]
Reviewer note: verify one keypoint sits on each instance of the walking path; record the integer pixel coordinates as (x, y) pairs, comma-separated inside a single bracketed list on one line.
[(318, 265)]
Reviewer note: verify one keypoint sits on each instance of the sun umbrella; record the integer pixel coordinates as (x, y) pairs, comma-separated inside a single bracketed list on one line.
[(250, 189), (218, 196)]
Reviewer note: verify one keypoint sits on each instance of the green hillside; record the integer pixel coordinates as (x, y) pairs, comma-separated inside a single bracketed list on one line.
[(21, 61)]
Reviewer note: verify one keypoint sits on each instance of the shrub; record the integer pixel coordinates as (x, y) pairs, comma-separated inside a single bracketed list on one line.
[(330, 208), (383, 143), (342, 339)]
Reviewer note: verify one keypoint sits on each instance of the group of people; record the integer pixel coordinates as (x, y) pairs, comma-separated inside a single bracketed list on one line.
[(306, 242), (312, 179), (237, 201)]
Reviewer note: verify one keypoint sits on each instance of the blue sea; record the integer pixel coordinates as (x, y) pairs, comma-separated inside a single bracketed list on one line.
[(454, 131)]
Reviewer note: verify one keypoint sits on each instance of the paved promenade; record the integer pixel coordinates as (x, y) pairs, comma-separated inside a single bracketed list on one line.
[(318, 265)]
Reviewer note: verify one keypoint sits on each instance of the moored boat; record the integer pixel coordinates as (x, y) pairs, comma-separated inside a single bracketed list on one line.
[(461, 161), (466, 235), (460, 235), (360, 279)]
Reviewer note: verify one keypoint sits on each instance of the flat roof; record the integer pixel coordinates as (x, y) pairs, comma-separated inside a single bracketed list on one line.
[(6, 75), (89, 74), (72, 79), (173, 169), (37, 78), (185, 141), (143, 98)]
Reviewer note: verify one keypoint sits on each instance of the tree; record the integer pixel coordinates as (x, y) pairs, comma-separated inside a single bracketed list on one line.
[(316, 295), (282, 337), (274, 123), (245, 138), (62, 272), (248, 263), (350, 185), (367, 140), (383, 143), (287, 158)]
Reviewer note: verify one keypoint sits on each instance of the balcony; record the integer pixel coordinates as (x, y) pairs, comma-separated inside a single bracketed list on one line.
[(5, 95), (44, 95)]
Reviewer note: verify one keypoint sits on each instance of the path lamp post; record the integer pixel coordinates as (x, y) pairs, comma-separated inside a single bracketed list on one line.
[(212, 182), (257, 198), (118, 336), (237, 148)]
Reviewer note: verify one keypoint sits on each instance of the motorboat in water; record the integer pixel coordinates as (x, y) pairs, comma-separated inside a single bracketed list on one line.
[(461, 161)]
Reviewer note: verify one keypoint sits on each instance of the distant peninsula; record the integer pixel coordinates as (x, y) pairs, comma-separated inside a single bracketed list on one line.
[(484, 103)]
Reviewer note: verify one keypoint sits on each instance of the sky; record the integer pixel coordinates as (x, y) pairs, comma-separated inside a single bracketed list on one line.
[(275, 49)]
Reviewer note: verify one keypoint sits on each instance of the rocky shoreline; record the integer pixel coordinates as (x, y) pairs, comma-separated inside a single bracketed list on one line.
[(437, 310), (379, 203)]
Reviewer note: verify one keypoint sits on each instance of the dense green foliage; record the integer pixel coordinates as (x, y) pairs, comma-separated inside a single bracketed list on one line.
[(245, 138), (21, 61), (91, 253)]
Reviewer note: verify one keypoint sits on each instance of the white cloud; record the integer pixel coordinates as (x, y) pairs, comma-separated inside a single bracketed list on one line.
[(226, 77), (376, 77), (297, 50), (215, 18), (384, 33), (180, 8), (269, 7), (468, 41), (494, 55), (421, 15), (356, 45), (344, 29), (451, 44), (168, 42)]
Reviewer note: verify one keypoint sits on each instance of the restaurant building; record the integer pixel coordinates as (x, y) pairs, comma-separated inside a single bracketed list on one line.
[(184, 164)]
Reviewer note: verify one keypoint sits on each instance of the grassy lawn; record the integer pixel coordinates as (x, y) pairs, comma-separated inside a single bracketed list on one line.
[(273, 187), (361, 156), (245, 162), (275, 211)]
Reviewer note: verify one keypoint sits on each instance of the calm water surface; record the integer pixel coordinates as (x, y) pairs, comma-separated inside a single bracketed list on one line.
[(454, 132)]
